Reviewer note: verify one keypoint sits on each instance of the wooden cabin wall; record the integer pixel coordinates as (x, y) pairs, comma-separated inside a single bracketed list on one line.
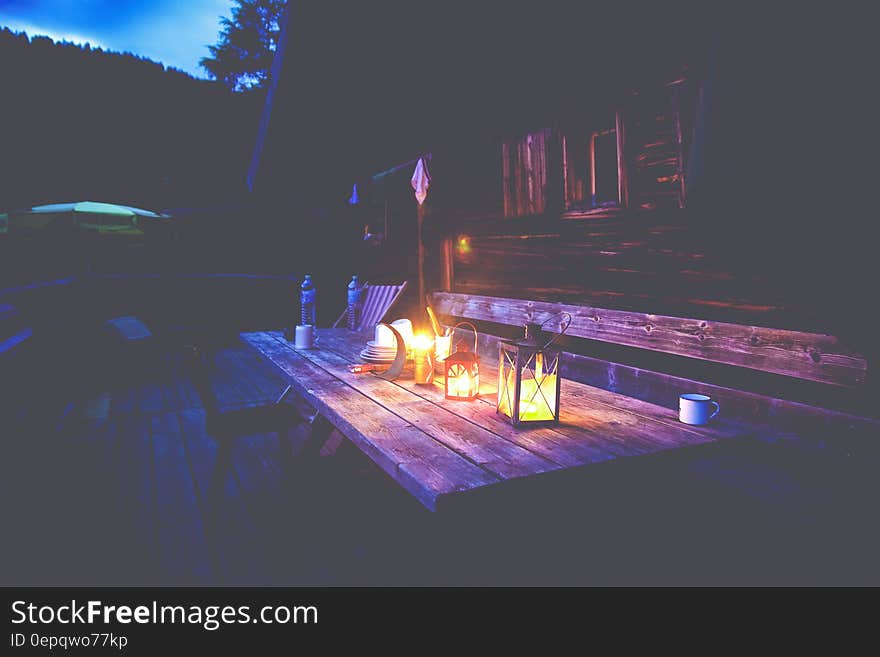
[(761, 239), (685, 264), (674, 262), (643, 248)]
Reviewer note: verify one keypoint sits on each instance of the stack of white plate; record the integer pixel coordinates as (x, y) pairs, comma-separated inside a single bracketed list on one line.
[(374, 353)]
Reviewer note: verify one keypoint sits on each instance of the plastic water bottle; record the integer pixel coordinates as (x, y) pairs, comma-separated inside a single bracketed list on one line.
[(354, 299), (307, 301)]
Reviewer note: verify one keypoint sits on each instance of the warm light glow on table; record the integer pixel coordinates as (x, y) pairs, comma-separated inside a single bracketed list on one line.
[(422, 343), (423, 359)]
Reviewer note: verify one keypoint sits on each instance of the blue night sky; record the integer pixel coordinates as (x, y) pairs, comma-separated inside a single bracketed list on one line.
[(174, 32)]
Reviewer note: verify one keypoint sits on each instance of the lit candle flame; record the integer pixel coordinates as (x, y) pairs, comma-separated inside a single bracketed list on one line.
[(462, 383), (422, 343)]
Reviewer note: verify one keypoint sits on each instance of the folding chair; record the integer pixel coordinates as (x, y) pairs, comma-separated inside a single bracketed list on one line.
[(376, 302)]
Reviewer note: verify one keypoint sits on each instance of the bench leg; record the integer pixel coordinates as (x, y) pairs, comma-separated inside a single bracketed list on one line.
[(304, 464), (333, 443), (320, 432), (302, 490), (304, 451)]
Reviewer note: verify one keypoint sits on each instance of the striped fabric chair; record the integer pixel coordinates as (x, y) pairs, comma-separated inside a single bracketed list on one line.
[(376, 302)]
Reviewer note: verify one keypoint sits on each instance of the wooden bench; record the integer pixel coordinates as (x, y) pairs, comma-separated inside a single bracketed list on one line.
[(797, 431), (800, 356)]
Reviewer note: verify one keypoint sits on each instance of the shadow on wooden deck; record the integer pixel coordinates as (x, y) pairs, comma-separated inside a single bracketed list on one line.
[(112, 488), (109, 487)]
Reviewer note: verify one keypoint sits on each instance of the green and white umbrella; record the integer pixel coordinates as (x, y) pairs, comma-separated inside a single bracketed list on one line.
[(91, 216)]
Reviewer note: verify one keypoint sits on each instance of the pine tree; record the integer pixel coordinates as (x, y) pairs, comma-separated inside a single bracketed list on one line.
[(243, 55)]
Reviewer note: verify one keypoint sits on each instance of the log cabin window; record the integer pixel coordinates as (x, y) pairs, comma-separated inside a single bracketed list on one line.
[(636, 160), (524, 173), (594, 172), (603, 169), (660, 122), (656, 162)]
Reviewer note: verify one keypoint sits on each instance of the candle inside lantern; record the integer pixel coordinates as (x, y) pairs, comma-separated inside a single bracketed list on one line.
[(537, 398), (462, 368), (462, 381), (463, 384), (423, 359)]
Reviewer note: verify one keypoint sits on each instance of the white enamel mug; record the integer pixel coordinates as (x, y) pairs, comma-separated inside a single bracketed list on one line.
[(304, 337), (383, 337), (696, 409)]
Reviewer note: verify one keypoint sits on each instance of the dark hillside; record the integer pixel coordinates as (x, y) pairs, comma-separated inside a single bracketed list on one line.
[(79, 123)]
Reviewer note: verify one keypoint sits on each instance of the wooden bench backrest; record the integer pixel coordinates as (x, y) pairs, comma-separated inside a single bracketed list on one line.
[(808, 356)]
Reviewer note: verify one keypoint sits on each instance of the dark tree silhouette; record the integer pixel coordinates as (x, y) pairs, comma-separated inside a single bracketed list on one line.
[(86, 123), (243, 55)]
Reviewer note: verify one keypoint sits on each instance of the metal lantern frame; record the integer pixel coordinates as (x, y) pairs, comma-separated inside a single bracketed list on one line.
[(460, 362), (530, 355)]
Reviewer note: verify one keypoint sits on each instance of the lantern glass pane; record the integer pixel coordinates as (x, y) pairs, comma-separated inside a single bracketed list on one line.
[(538, 388), (462, 381), (506, 382)]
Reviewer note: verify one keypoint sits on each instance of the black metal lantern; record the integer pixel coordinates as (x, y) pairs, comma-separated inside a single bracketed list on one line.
[(529, 377), (462, 367)]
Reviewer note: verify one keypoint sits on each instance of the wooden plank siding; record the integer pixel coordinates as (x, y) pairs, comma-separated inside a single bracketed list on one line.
[(810, 356), (638, 260)]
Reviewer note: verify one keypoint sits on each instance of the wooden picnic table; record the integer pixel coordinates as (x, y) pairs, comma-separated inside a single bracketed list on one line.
[(437, 449)]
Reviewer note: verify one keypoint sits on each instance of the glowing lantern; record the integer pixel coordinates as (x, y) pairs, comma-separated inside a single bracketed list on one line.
[(529, 378), (463, 371)]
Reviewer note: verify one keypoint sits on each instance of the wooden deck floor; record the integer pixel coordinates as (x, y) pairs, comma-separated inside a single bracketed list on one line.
[(108, 485), (112, 488)]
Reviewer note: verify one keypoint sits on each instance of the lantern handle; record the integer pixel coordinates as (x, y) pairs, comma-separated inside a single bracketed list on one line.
[(564, 328), (474, 328)]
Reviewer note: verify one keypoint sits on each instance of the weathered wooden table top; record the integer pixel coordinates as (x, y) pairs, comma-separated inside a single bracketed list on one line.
[(436, 448)]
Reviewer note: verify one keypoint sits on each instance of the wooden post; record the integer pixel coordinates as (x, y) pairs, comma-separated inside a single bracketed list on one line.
[(554, 163), (506, 192), (420, 211), (593, 139), (679, 167), (566, 193), (447, 264), (529, 175), (622, 183)]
